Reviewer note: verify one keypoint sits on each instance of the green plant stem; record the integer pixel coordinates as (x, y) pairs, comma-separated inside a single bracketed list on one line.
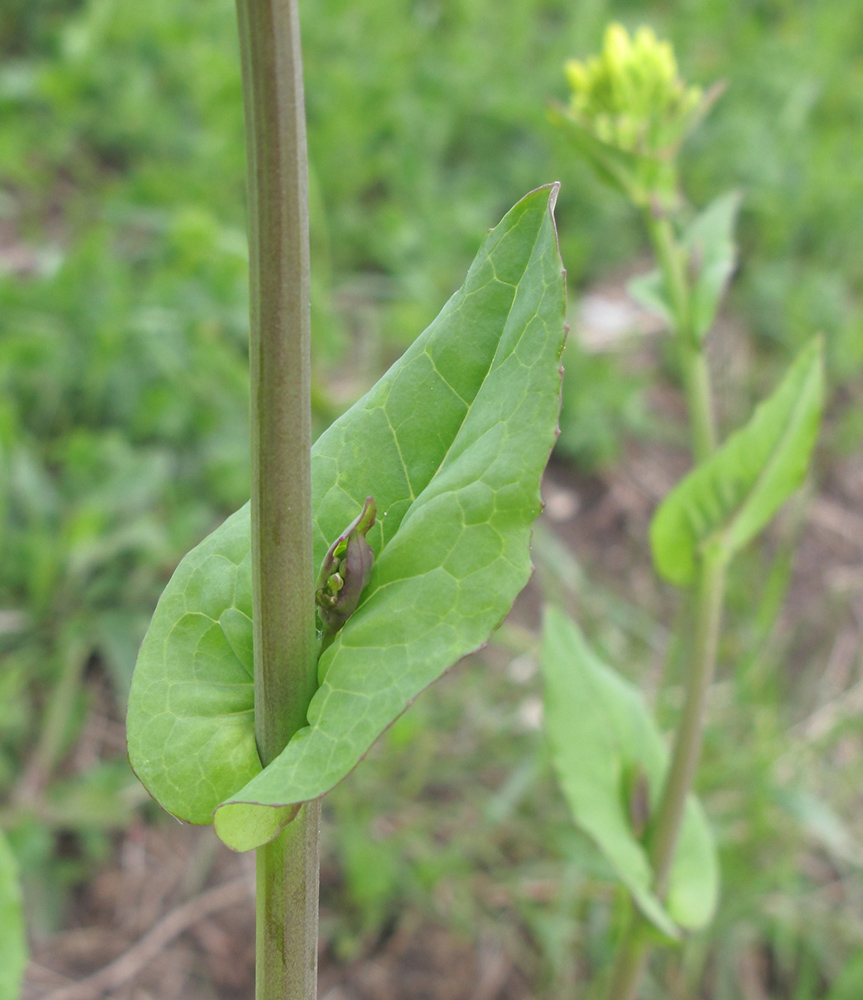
[(687, 743), (671, 264), (630, 961), (693, 363), (282, 568), (634, 949), (286, 908), (696, 383), (55, 721), (632, 954)]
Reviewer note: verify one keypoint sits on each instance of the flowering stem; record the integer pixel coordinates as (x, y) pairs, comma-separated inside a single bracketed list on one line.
[(687, 740), (634, 949), (285, 646), (693, 363)]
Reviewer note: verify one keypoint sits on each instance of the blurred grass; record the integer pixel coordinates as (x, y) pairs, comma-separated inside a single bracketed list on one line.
[(123, 426)]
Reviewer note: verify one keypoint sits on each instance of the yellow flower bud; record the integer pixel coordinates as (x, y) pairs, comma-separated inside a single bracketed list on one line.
[(631, 96)]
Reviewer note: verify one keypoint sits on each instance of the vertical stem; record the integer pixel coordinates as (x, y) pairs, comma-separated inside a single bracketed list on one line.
[(282, 570), (687, 742), (280, 380), (629, 961), (693, 364), (287, 911), (634, 949), (696, 384), (672, 267), (55, 721), (632, 954)]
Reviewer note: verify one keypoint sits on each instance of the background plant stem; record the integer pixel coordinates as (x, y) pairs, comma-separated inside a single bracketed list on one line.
[(687, 742), (55, 723), (710, 589), (693, 363), (629, 961), (634, 949), (282, 568)]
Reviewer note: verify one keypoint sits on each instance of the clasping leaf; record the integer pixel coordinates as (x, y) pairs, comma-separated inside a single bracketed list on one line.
[(712, 252), (451, 443), (731, 496), (611, 761), (711, 256)]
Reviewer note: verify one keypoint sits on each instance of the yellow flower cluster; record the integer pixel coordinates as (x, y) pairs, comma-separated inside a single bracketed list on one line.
[(630, 96)]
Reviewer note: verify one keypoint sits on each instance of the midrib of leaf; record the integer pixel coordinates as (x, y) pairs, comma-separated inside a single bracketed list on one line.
[(398, 445), (452, 388)]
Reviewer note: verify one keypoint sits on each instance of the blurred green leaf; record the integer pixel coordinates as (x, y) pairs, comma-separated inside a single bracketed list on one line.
[(13, 943), (731, 496), (602, 404), (648, 290), (101, 798), (849, 982), (601, 736), (709, 241), (451, 444), (620, 168), (711, 258), (823, 824)]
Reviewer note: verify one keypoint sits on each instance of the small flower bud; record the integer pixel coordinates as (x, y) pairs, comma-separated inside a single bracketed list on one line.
[(630, 111), (345, 571), (638, 800)]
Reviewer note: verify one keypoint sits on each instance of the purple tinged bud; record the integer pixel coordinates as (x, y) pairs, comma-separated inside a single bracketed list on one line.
[(639, 802), (345, 571)]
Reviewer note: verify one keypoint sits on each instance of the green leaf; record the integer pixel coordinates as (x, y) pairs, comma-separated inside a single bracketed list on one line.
[(649, 291), (602, 737), (451, 444), (731, 496), (848, 985), (712, 253), (711, 257), (13, 942), (617, 167), (642, 178)]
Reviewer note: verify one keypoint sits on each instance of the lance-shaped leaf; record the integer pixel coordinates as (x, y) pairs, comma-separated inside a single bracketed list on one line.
[(711, 256), (619, 168), (451, 444), (712, 252), (609, 755), (13, 943), (649, 291), (732, 495)]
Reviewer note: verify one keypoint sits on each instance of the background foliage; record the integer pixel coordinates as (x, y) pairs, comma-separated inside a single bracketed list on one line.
[(123, 435)]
